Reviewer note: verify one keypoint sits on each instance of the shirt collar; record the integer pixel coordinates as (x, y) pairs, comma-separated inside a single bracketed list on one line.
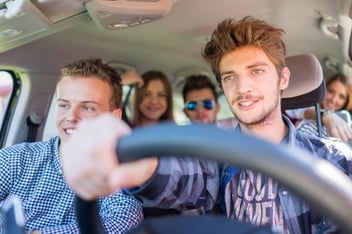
[(291, 138), (57, 158)]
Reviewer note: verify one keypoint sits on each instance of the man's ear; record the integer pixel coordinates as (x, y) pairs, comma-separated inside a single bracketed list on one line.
[(285, 78), (117, 112)]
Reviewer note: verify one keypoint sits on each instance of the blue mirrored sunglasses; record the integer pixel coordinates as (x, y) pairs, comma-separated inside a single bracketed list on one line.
[(207, 104)]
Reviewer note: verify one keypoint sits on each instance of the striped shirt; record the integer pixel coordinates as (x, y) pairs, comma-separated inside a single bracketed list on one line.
[(309, 127)]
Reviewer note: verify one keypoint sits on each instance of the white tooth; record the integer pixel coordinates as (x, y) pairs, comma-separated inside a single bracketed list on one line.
[(70, 131), (245, 103)]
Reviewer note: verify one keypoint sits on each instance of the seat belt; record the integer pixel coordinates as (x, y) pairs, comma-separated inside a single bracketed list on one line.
[(125, 104), (33, 122), (319, 120)]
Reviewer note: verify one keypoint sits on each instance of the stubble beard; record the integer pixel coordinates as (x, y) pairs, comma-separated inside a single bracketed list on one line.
[(263, 118)]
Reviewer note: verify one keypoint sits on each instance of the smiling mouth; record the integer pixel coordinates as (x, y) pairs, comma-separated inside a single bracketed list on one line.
[(246, 103), (70, 131)]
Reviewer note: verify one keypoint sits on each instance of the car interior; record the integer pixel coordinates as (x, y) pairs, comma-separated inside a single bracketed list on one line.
[(38, 37)]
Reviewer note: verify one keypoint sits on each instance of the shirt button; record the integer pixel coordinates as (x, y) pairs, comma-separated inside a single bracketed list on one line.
[(284, 192)]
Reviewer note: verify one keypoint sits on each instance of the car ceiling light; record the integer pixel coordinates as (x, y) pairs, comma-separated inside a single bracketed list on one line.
[(119, 14), (118, 25), (10, 32), (130, 23)]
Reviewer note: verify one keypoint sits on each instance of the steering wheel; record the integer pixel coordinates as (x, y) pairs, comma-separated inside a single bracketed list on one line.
[(315, 180)]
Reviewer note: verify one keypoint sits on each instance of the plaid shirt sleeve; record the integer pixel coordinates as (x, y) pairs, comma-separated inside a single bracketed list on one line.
[(119, 213), (181, 183)]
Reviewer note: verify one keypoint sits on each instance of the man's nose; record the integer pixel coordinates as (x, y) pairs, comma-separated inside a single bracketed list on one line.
[(73, 115), (244, 84)]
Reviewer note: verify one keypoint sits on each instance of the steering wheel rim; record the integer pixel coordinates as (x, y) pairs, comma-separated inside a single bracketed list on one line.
[(323, 185)]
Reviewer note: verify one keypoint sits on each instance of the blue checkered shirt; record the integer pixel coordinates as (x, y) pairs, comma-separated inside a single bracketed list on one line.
[(32, 171)]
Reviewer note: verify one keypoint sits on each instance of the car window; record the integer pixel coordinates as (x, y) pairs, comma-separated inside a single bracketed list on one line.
[(6, 86), (9, 84)]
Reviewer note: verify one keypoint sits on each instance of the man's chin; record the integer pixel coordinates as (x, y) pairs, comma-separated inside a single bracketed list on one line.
[(64, 138), (202, 121), (250, 122)]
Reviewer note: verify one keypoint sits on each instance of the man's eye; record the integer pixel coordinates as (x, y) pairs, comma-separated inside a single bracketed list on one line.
[(63, 106), (88, 108), (257, 71), (227, 78)]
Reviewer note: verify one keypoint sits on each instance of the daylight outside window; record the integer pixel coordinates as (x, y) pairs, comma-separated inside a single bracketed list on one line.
[(6, 87)]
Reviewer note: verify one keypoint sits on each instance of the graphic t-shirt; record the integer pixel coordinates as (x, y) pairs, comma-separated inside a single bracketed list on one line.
[(255, 200)]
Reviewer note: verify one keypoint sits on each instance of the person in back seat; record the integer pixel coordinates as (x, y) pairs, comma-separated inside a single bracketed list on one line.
[(33, 171), (201, 102), (153, 104), (153, 101), (201, 107), (336, 99), (248, 60), (201, 99)]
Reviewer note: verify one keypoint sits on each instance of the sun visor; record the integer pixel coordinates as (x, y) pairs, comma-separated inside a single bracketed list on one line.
[(23, 21)]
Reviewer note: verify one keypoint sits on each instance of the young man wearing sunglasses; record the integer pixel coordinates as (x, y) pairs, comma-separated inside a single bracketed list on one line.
[(201, 99)]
